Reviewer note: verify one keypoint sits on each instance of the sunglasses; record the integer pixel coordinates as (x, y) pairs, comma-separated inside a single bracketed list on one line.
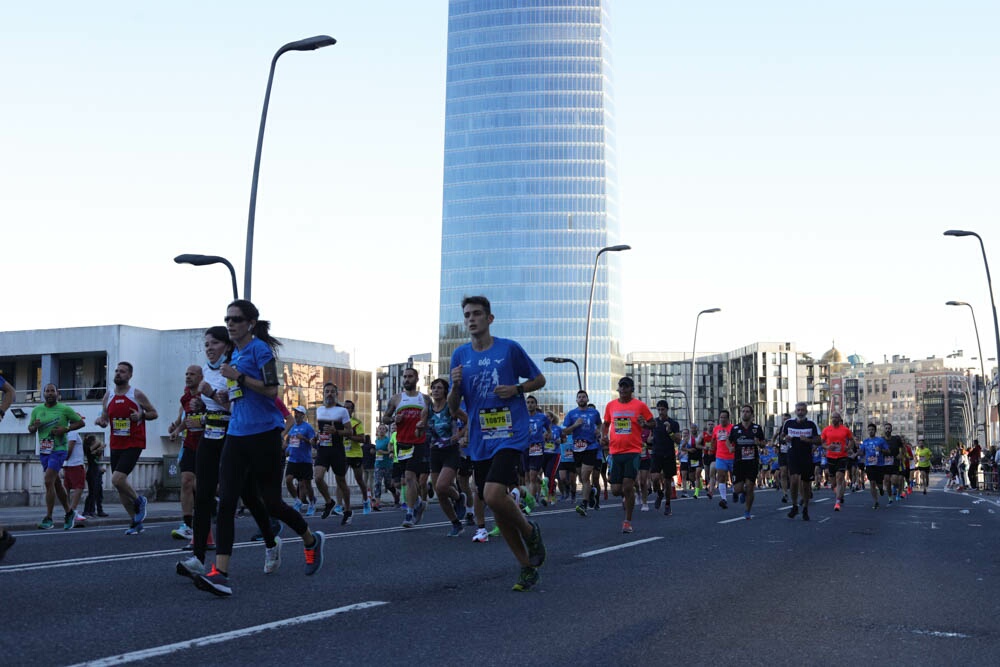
[(235, 319)]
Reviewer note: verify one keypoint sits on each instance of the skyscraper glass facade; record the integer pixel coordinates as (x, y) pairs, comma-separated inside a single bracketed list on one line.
[(530, 184)]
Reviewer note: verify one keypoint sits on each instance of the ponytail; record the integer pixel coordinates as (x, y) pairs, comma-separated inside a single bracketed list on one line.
[(262, 329)]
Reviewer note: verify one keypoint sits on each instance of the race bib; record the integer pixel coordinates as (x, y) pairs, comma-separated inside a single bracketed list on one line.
[(888, 460), (550, 446), (45, 446), (496, 423), (234, 389), (535, 449), (324, 440), (580, 445), (833, 447), (405, 454), (749, 453), (623, 425), (784, 448), (121, 426), (215, 425), (348, 444), (872, 459), (294, 441)]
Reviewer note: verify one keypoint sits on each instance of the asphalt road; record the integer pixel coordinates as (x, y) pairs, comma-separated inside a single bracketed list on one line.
[(917, 582)]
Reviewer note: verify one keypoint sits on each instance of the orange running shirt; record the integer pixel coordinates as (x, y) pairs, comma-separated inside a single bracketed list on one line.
[(624, 431), (835, 438)]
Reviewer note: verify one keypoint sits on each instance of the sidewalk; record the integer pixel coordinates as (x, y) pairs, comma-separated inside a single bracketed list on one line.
[(27, 518)]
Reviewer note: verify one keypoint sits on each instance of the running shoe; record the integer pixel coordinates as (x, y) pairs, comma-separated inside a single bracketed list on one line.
[(314, 554), (408, 521), (593, 497), (746, 515), (544, 501), (890, 501), (805, 514), (366, 507), (6, 542), (68, 520), (461, 506), (214, 582), (536, 548), (418, 511), (696, 492), (182, 532), (667, 511), (659, 499), (470, 519), (140, 509), (311, 509), (836, 507), (528, 578), (481, 535), (80, 518), (45, 524), (297, 505), (709, 494), (327, 509), (190, 567), (495, 531), (272, 557), (581, 510), (743, 498), (645, 507), (875, 506), (377, 507), (338, 509), (784, 499), (792, 513), (102, 514), (723, 504), (135, 529), (626, 526), (529, 504), (345, 520), (684, 494), (403, 506), (456, 530)]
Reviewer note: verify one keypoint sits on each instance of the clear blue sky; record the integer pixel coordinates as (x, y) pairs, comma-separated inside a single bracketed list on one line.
[(792, 163)]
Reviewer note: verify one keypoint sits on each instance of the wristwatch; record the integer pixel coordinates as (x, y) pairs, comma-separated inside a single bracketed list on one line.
[(520, 390), (241, 379)]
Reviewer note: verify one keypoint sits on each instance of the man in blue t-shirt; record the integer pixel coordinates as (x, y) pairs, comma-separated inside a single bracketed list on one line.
[(582, 423), (872, 455), (486, 372), (299, 443), (539, 430)]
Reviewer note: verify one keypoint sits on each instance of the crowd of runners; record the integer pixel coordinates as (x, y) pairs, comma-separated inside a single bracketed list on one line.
[(477, 441)]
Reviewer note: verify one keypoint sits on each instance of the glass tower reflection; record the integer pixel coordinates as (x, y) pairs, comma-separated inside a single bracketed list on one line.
[(530, 184)]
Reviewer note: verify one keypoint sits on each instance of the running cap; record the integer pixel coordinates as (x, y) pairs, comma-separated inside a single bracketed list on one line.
[(626, 381), (300, 408)]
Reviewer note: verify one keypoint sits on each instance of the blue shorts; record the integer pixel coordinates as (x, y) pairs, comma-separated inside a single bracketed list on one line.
[(724, 464), (54, 461)]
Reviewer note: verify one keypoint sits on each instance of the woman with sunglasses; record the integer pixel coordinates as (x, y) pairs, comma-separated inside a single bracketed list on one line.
[(253, 446)]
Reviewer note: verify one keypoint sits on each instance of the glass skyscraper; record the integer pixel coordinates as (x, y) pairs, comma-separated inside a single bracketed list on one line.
[(530, 185)]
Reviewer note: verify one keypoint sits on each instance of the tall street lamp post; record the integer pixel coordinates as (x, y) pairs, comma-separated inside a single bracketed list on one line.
[(564, 360), (989, 285), (982, 368), (308, 44), (205, 260), (590, 304), (687, 401), (694, 347)]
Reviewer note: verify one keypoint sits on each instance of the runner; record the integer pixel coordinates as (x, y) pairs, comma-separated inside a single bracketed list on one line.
[(74, 477), (93, 450), (724, 458), (695, 451), (624, 420), (486, 372), (567, 470), (894, 464), (539, 431), (663, 461), (354, 453), (923, 456), (408, 411), (550, 461), (446, 457), (746, 439), (6, 538), (190, 422), (782, 442), (708, 456), (872, 451), (383, 467), (582, 423), (51, 421), (253, 448), (332, 421), (802, 436), (642, 486), (127, 410), (298, 446), (839, 442)]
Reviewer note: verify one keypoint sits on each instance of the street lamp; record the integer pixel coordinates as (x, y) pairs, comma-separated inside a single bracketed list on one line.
[(823, 388), (687, 401), (205, 260), (982, 367), (989, 284), (694, 346), (563, 360), (308, 44), (590, 304)]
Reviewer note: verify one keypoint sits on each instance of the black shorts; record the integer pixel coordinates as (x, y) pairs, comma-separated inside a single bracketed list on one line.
[(398, 469), (357, 464), (851, 462), (568, 466), (782, 459), (745, 471), (837, 465), (445, 457), (504, 468), (664, 463), (709, 460), (644, 464), (801, 463), (587, 457), (685, 468), (465, 466), (420, 462), (536, 462), (300, 471), (188, 457), (124, 460), (876, 475), (332, 458)]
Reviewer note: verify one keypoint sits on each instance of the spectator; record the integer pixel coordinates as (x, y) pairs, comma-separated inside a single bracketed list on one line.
[(975, 457), (93, 449)]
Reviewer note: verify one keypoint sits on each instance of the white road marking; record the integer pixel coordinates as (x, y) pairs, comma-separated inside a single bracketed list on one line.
[(597, 552), (739, 518), (83, 530), (934, 525), (210, 640), (937, 633), (822, 520)]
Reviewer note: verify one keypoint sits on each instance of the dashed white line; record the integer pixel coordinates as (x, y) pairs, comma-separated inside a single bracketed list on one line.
[(597, 552), (209, 640)]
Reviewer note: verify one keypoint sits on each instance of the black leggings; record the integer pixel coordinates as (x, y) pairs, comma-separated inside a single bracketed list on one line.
[(255, 460), (206, 472)]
